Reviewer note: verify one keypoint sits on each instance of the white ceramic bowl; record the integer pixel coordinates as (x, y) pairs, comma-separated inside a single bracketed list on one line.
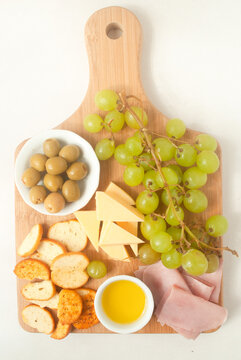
[(87, 186), (124, 328)]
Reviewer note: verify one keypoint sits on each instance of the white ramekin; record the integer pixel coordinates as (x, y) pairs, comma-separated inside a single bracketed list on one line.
[(124, 328)]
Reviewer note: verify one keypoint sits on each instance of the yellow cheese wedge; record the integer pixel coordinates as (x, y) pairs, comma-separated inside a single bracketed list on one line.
[(134, 248), (131, 227), (112, 209), (116, 192), (105, 226), (116, 252), (91, 225), (116, 235)]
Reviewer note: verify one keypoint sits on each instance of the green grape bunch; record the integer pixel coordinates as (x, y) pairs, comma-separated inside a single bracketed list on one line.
[(171, 173)]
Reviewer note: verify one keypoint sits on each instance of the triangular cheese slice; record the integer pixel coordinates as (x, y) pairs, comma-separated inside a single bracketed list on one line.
[(91, 225), (117, 252), (116, 192), (132, 227), (134, 248), (105, 226), (116, 235), (109, 208)]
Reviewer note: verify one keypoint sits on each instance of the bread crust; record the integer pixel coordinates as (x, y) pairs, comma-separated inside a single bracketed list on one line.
[(61, 331), (45, 311), (37, 255), (70, 306), (35, 245), (31, 269)]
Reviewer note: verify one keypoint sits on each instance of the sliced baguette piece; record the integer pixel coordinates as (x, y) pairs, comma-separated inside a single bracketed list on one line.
[(48, 250), (68, 270), (70, 233), (41, 290), (70, 306), (31, 269), (38, 318), (51, 303), (61, 331), (88, 316), (31, 241)]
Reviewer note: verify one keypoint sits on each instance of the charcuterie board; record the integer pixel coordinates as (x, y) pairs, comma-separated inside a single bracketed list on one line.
[(113, 40)]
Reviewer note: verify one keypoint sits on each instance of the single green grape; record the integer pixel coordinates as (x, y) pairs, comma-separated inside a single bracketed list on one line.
[(172, 259), (176, 195), (147, 255), (194, 178), (185, 155), (146, 161), (93, 123), (114, 121), (106, 100), (175, 128), (149, 180), (216, 225), (171, 217), (195, 201), (151, 225), (178, 171), (147, 202), (175, 233), (161, 242), (96, 269), (205, 142), (104, 149), (123, 156), (169, 175), (164, 148), (133, 175), (134, 145), (208, 161), (194, 262), (213, 263), (131, 121)]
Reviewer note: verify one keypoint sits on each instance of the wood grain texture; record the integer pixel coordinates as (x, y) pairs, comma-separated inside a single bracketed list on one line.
[(114, 64)]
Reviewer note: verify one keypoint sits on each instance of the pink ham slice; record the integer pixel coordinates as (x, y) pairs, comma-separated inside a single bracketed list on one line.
[(159, 279), (189, 314), (198, 287), (139, 273)]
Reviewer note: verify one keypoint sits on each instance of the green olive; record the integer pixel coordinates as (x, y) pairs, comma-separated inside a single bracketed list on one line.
[(51, 147), (37, 194), (37, 161), (70, 153), (54, 202), (53, 182), (56, 165), (77, 171), (31, 177), (71, 191)]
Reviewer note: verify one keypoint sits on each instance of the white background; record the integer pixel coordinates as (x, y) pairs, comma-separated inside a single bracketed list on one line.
[(191, 67)]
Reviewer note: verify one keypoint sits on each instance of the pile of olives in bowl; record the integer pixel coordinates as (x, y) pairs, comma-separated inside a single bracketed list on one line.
[(59, 169)]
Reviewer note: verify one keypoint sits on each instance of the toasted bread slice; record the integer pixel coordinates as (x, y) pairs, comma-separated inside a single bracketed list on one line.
[(31, 269), (61, 331), (31, 241), (68, 270), (51, 303), (48, 250), (88, 317), (70, 306), (38, 318), (42, 290), (70, 233)]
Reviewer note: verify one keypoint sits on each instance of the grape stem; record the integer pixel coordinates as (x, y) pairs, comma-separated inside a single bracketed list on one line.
[(125, 106)]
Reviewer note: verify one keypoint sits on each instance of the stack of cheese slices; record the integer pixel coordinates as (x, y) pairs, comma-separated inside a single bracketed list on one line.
[(114, 208)]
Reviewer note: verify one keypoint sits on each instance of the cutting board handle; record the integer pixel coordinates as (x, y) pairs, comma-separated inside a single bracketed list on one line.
[(113, 42)]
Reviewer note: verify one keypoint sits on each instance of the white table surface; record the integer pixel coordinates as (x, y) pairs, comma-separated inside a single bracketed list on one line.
[(191, 68)]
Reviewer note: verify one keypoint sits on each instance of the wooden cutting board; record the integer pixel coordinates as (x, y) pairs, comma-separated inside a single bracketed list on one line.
[(113, 40)]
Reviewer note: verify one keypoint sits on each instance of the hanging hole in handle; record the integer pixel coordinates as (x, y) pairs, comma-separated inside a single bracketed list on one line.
[(114, 31)]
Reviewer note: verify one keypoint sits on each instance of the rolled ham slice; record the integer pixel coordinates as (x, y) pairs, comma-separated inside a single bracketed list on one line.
[(159, 279), (139, 273), (184, 311), (214, 279)]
